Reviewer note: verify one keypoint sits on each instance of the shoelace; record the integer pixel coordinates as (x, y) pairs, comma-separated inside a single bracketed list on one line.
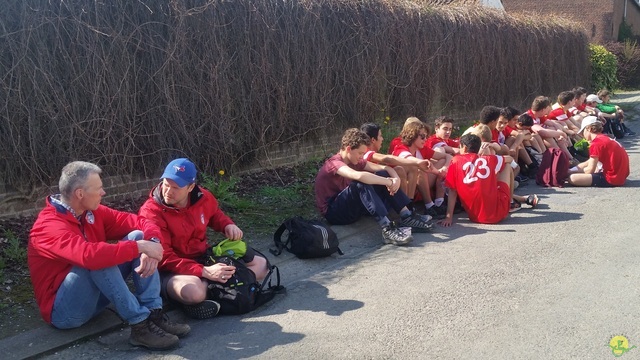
[(155, 329)]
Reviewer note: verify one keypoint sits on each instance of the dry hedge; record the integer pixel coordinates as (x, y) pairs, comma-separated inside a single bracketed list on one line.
[(130, 84)]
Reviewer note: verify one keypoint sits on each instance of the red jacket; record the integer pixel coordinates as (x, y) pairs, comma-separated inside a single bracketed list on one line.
[(184, 230), (57, 243)]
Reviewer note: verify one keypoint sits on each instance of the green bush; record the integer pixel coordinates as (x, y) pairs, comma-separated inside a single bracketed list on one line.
[(604, 67)]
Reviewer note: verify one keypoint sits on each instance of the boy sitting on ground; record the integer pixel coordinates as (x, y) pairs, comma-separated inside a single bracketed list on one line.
[(540, 108), (484, 184), (561, 118), (348, 187), (413, 137), (441, 140), (611, 111), (603, 151)]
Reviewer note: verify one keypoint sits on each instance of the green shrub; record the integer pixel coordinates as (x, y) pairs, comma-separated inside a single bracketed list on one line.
[(604, 67), (628, 55)]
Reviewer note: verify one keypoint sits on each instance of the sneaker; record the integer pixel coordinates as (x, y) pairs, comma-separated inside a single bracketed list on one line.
[(148, 334), (395, 236), (515, 206), (532, 200), (436, 212), (628, 131), (418, 223), (205, 310), (162, 321)]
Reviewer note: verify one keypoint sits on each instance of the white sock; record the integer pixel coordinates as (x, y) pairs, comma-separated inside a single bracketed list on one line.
[(429, 205), (439, 201)]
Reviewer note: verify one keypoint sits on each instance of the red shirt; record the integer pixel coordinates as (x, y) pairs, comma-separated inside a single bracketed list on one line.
[(328, 183), (59, 241), (434, 142), (614, 159), (559, 114), (395, 142), (184, 230), (475, 180), (536, 121)]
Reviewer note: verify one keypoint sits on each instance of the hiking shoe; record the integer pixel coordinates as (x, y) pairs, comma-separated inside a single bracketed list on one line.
[(148, 334), (515, 206), (532, 200), (205, 310), (418, 223), (162, 321), (395, 236)]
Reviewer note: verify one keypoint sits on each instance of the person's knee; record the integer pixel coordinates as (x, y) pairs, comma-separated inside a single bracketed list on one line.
[(259, 267), (188, 291)]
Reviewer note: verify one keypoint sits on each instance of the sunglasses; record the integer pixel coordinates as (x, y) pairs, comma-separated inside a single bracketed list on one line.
[(423, 136)]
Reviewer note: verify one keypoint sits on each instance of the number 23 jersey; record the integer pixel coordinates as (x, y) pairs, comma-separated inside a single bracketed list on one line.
[(475, 180)]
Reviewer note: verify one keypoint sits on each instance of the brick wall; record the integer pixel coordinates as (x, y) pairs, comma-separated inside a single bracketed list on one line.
[(595, 17)]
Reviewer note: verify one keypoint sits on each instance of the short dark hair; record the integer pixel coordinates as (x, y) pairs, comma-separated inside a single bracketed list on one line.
[(579, 90), (489, 113), (355, 138), (525, 120), (370, 129), (441, 120), (472, 142), (565, 96), (509, 112), (595, 128), (540, 103)]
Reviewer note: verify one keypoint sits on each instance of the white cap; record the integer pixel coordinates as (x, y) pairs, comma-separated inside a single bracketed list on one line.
[(588, 121), (594, 97)]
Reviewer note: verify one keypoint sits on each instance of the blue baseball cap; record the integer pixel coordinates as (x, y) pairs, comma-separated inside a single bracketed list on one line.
[(182, 171)]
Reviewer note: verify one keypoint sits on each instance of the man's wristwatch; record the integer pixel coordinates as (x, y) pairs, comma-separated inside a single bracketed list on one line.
[(155, 240)]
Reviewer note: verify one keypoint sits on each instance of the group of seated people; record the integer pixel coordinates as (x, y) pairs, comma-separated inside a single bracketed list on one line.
[(80, 252), (477, 173)]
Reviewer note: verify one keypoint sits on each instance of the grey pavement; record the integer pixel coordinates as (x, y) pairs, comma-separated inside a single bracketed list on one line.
[(557, 282)]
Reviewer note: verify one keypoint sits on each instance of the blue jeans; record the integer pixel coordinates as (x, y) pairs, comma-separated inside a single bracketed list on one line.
[(360, 199), (84, 293)]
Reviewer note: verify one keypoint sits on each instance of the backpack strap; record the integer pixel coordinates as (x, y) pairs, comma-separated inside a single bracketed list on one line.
[(277, 239)]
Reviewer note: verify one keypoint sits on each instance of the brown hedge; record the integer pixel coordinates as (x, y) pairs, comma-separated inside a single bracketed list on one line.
[(131, 84)]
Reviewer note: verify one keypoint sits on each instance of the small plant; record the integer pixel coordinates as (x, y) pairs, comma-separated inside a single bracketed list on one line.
[(223, 188), (13, 252), (604, 67)]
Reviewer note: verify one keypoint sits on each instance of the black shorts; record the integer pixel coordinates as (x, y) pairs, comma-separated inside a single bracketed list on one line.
[(598, 180)]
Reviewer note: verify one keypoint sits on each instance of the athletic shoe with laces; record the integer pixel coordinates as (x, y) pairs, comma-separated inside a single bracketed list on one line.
[(532, 200), (417, 222), (162, 321), (436, 212), (396, 236), (205, 310), (515, 206)]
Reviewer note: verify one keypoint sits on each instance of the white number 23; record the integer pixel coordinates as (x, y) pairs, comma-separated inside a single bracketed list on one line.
[(475, 170)]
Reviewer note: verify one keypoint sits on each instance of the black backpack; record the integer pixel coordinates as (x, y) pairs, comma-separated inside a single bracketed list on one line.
[(242, 293), (307, 239), (615, 127)]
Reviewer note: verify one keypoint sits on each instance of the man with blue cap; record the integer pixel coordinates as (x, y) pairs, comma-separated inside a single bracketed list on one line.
[(183, 211)]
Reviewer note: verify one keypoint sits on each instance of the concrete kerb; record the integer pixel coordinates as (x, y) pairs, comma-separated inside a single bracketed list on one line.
[(46, 339)]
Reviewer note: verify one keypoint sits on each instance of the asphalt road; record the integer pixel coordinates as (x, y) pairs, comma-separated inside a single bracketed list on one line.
[(557, 282)]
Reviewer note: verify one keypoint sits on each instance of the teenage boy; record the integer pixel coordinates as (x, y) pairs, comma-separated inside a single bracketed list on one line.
[(413, 137), (611, 111), (562, 117), (408, 169), (348, 187), (184, 211), (602, 150), (540, 108), (441, 140), (484, 184)]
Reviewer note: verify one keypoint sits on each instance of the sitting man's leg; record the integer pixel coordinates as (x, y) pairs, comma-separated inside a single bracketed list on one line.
[(191, 292)]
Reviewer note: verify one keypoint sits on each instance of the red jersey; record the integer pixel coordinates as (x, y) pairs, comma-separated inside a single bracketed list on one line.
[(536, 120), (614, 159), (184, 230), (475, 180), (559, 114), (403, 151), (328, 183), (434, 142), (394, 142)]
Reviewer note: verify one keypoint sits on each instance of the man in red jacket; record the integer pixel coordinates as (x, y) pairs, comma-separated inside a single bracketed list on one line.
[(77, 269), (183, 211)]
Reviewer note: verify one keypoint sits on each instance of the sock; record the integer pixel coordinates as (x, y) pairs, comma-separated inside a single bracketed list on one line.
[(439, 202), (384, 222), (405, 213), (429, 205)]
